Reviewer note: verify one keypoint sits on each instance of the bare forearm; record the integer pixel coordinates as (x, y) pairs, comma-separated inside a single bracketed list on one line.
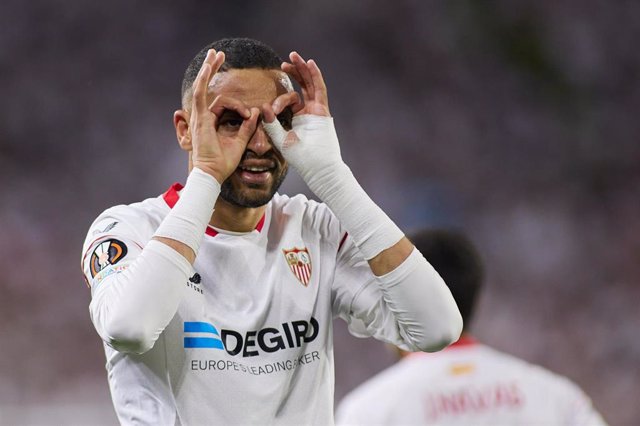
[(183, 249), (389, 259)]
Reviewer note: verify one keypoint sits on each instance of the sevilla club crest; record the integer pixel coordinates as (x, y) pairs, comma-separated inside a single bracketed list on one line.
[(299, 262)]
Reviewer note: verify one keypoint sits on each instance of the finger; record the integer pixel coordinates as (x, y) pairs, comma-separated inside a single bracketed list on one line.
[(297, 107), (277, 134), (286, 100), (248, 127), (287, 67), (303, 70), (293, 72), (268, 115), (199, 101), (217, 62), (222, 103), (318, 83), (211, 64)]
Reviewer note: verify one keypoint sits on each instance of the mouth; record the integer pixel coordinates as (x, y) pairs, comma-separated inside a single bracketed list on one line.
[(256, 173)]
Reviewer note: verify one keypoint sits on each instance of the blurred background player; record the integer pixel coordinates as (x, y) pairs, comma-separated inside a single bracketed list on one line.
[(467, 383)]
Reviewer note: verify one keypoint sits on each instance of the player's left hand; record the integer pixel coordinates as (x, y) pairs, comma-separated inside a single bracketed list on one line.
[(311, 146), (315, 99)]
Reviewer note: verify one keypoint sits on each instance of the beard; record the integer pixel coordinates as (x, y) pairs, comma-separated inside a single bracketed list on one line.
[(252, 195)]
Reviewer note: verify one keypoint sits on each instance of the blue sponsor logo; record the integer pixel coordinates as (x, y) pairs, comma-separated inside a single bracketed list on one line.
[(288, 335), (201, 342)]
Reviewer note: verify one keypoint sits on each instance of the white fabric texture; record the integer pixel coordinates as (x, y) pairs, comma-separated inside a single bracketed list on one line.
[(131, 312), (264, 352), (466, 384), (411, 307), (312, 148), (191, 215), (421, 303)]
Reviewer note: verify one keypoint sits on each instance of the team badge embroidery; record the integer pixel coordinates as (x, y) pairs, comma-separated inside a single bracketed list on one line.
[(299, 262), (107, 253)]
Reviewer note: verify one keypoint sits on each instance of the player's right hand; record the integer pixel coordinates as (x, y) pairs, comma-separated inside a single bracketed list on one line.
[(216, 151)]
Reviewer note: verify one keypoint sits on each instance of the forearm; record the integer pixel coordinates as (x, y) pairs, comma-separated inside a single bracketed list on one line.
[(376, 236), (313, 149), (421, 303), (132, 308), (416, 294), (183, 228), (412, 289), (389, 259), (181, 248)]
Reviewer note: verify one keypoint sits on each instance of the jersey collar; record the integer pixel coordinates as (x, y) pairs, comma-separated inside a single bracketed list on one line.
[(172, 195)]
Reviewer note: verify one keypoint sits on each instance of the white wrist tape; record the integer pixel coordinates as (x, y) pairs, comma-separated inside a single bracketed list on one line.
[(312, 148), (371, 229), (189, 218)]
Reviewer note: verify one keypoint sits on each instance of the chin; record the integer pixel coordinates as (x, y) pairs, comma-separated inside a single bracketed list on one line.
[(247, 197), (243, 194)]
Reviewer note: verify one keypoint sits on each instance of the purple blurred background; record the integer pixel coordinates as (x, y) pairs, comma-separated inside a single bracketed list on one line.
[(516, 121)]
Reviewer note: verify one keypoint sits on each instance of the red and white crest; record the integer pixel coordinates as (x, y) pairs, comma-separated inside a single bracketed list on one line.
[(299, 262)]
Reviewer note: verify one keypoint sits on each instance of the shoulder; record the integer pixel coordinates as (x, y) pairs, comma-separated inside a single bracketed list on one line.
[(368, 400), (300, 203), (392, 377), (534, 375), (312, 215), (136, 221), (146, 210)]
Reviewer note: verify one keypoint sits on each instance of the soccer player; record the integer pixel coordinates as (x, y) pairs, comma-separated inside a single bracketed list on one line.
[(215, 300), (468, 383)]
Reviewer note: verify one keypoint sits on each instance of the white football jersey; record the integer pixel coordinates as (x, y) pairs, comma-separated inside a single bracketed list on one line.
[(466, 384), (251, 343)]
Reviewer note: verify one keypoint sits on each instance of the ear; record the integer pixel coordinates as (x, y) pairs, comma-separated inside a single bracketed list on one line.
[(181, 123)]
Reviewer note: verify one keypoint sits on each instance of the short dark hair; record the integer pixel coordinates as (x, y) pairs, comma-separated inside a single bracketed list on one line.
[(239, 53), (457, 261)]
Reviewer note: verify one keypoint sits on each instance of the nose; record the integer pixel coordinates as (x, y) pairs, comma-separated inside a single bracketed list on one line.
[(260, 143)]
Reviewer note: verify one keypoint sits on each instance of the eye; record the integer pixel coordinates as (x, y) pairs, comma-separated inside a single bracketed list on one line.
[(230, 120), (233, 122)]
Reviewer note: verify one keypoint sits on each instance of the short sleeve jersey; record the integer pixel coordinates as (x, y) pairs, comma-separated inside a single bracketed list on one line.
[(251, 342), (466, 384)]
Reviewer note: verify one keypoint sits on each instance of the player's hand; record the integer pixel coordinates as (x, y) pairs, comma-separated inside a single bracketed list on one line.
[(315, 100), (311, 144), (221, 130)]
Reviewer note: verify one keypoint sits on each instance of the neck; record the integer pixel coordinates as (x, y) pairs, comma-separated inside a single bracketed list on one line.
[(234, 218)]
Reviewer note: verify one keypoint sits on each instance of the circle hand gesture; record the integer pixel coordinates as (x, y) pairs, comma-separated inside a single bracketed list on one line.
[(213, 153)]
